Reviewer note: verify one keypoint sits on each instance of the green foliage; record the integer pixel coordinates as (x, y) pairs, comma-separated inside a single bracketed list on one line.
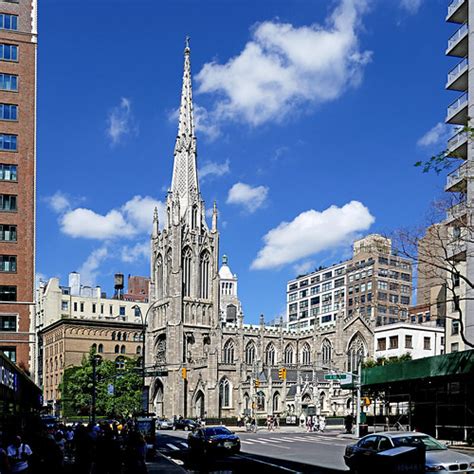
[(77, 386), (443, 160), (369, 363)]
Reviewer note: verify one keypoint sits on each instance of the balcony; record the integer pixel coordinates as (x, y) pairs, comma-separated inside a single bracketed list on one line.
[(457, 212), (457, 145), (457, 44), (457, 111), (456, 181), (457, 11), (457, 77)]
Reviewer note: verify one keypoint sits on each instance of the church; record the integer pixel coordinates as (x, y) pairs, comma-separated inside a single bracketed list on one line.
[(218, 366)]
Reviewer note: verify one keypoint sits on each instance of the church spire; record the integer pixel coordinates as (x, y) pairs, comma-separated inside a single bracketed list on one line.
[(185, 186)]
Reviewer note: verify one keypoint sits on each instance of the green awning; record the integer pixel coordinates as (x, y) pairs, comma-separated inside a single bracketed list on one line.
[(456, 363)]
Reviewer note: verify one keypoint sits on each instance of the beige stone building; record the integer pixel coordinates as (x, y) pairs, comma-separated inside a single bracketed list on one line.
[(196, 321), (67, 341)]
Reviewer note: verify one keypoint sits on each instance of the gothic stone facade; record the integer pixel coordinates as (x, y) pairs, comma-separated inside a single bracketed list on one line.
[(231, 367)]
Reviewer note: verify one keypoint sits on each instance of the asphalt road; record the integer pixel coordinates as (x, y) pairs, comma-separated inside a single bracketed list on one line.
[(265, 452)]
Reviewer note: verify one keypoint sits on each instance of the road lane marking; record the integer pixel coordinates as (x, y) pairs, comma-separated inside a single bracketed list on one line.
[(172, 446), (267, 463), (246, 442), (269, 440), (257, 441), (284, 439), (184, 444)]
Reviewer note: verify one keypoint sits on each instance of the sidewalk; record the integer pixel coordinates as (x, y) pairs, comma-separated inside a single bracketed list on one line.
[(162, 464)]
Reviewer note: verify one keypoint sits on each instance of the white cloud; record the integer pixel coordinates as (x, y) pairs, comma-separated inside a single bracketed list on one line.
[(40, 278), (133, 218), (284, 67), (247, 196), (205, 123), (312, 232), (121, 122), (58, 202), (303, 267), (141, 250), (437, 135), (90, 268), (411, 6), (211, 168)]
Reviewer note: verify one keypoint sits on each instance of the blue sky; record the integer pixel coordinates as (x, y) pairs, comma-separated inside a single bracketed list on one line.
[(302, 105)]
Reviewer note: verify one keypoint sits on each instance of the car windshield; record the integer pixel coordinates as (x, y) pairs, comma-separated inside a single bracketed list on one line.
[(430, 443), (217, 431)]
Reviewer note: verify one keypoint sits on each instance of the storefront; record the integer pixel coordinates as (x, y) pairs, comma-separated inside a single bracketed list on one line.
[(20, 398), (434, 395)]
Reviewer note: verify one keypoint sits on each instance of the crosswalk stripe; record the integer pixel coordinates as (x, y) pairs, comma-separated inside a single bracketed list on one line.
[(257, 441), (246, 442), (172, 446), (184, 444), (283, 439), (269, 440)]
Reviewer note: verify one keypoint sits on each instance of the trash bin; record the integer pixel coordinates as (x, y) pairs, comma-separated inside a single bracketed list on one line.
[(363, 430)]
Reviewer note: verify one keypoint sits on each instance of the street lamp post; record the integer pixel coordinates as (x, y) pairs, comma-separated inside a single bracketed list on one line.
[(143, 335), (95, 360)]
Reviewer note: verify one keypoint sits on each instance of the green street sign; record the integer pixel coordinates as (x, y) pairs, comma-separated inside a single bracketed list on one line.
[(335, 377)]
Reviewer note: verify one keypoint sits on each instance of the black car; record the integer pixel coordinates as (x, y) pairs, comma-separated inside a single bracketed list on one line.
[(185, 424), (215, 438)]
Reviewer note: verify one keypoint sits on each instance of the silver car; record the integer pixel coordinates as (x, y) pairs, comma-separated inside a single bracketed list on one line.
[(438, 457), (164, 424)]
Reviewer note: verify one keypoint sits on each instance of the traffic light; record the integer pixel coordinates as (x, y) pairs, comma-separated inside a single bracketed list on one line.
[(282, 373), (184, 373), (257, 383)]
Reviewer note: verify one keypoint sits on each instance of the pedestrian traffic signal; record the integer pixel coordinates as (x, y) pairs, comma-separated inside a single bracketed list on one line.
[(257, 383), (184, 374), (282, 373)]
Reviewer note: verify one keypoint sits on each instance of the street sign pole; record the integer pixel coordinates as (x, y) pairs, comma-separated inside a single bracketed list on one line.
[(359, 369)]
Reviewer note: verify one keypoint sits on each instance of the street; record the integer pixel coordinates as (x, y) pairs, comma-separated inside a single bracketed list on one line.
[(267, 452)]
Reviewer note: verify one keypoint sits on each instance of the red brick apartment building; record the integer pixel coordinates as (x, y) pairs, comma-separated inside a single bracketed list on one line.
[(18, 45)]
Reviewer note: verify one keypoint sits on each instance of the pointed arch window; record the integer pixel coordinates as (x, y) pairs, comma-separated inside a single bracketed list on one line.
[(100, 350), (276, 402), (306, 354), (288, 356), (270, 354), (250, 353), (260, 401), (204, 275), (228, 355), (187, 258), (224, 393), (326, 351), (194, 217), (356, 353), (168, 267)]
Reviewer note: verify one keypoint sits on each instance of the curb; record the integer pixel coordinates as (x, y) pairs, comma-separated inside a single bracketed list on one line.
[(162, 463)]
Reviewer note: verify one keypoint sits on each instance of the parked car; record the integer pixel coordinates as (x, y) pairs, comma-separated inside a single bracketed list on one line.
[(164, 424), (214, 438), (367, 452), (185, 424)]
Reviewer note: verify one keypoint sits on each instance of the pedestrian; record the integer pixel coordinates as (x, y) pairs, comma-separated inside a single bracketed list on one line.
[(302, 420), (277, 421), (18, 455), (135, 454), (315, 421), (309, 424), (348, 421), (322, 423)]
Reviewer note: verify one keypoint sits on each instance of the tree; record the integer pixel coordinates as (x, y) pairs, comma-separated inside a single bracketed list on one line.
[(77, 386), (438, 252)]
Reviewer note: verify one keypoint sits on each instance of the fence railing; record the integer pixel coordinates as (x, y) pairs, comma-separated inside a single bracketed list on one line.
[(456, 70), (457, 104), (460, 32)]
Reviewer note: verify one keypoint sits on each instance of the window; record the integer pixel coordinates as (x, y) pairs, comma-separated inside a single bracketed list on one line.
[(122, 311), (120, 363), (100, 349), (7, 323), (93, 307), (7, 293), (315, 301), (306, 354), (382, 344), (8, 22), (204, 275), (382, 296), (8, 263), (288, 355), (405, 276), (8, 82), (228, 353), (326, 319), (327, 275), (293, 286), (427, 343), (8, 202), (326, 352), (8, 233), (315, 290), (456, 279), (382, 285), (270, 354), (303, 293), (8, 173), (292, 297), (393, 342), (82, 307), (8, 52), (187, 258), (75, 306), (260, 401), (8, 112), (454, 328), (224, 393), (303, 304), (10, 352), (339, 271), (409, 342), (404, 299), (393, 298), (327, 286), (8, 142), (455, 347), (292, 308), (315, 279), (64, 305), (122, 349), (250, 353), (339, 282)]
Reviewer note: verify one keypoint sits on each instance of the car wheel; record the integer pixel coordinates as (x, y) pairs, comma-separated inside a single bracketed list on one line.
[(174, 427), (186, 428)]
